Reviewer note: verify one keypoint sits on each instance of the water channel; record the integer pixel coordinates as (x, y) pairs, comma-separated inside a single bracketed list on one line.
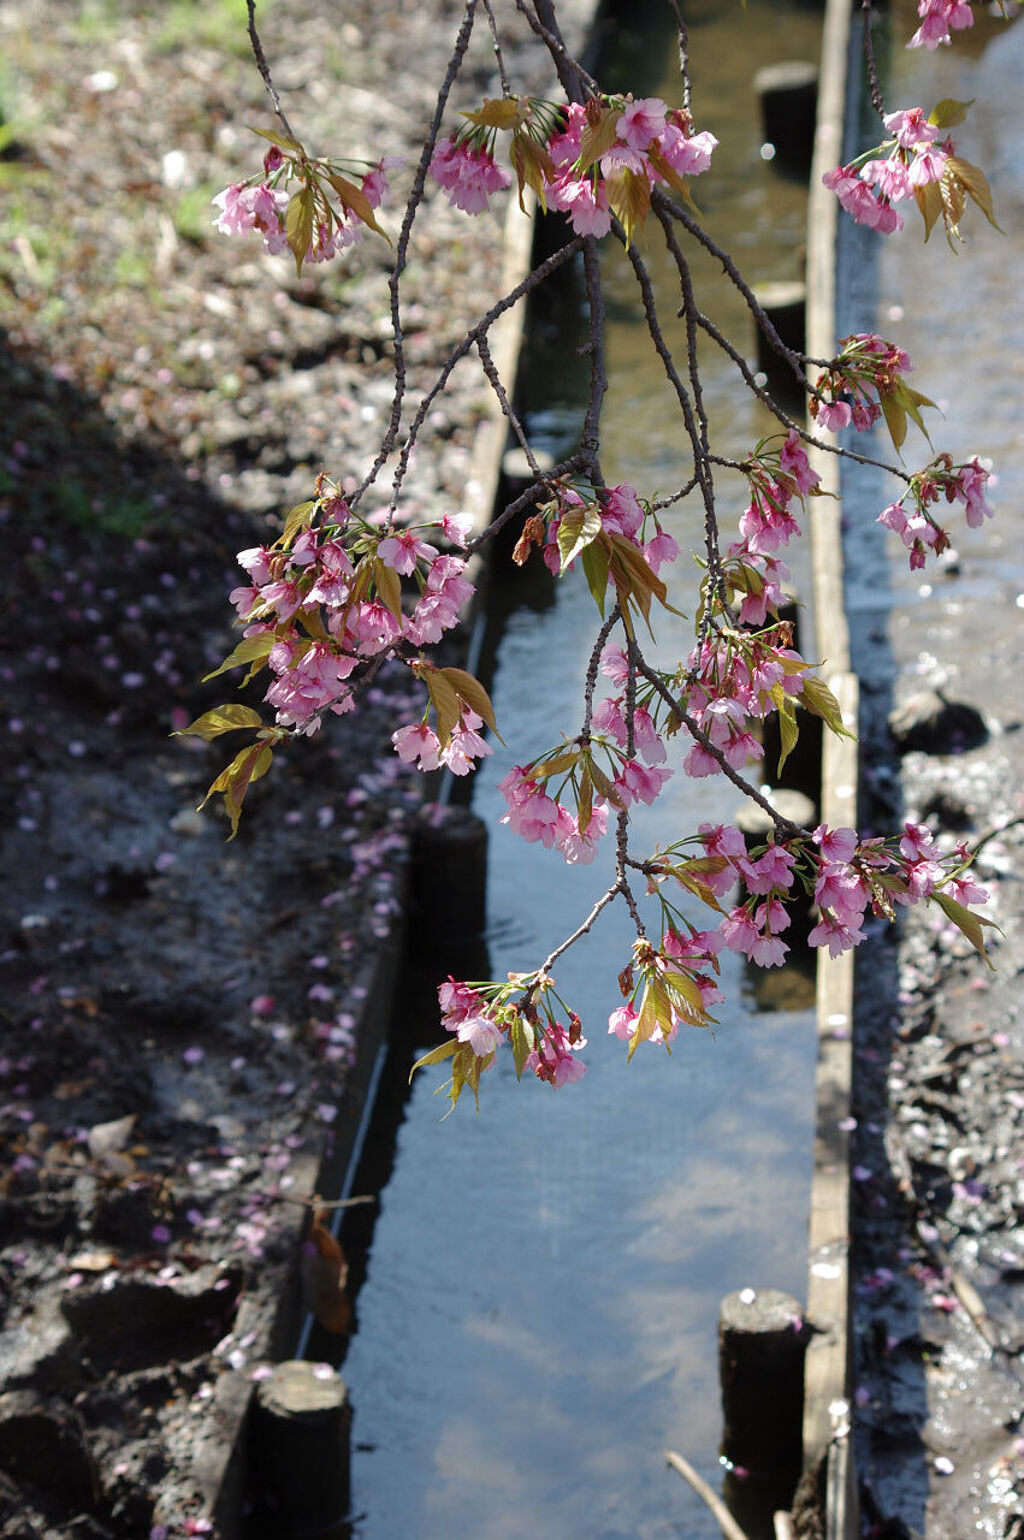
[(536, 1320)]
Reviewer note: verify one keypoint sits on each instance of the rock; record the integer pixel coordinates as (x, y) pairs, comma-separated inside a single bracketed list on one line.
[(137, 1323), (43, 1445), (935, 725)]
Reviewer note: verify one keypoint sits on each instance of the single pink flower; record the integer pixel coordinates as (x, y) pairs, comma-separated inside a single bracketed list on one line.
[(641, 122), (417, 742)]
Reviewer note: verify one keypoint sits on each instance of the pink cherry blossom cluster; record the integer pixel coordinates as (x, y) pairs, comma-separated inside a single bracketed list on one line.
[(651, 144), (777, 478), (539, 818), (851, 390), (677, 987), (261, 205), (328, 601), (419, 744), (841, 873), (871, 186), (620, 512), (484, 1016), (938, 19), (941, 481), (468, 172), (588, 161), (732, 678)]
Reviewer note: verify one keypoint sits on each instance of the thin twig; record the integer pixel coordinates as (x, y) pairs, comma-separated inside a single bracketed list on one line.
[(699, 433), (506, 89), (320, 1204), (661, 201), (575, 81), (472, 339), (264, 69), (402, 250), (674, 497), (726, 1523), (508, 411), (785, 826), (593, 666), (581, 930), (590, 438), (870, 65), (568, 467), (684, 51)]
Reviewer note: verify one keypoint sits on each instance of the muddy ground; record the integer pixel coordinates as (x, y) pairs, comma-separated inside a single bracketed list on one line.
[(180, 1016), (939, 1098)]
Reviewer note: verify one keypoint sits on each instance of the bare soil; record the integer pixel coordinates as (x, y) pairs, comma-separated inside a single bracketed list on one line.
[(181, 1016)]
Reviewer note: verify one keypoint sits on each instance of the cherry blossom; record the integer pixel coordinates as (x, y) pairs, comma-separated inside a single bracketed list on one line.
[(467, 171), (355, 585), (938, 17)]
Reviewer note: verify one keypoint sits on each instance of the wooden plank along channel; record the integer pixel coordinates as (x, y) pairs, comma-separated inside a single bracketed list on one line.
[(827, 1368)]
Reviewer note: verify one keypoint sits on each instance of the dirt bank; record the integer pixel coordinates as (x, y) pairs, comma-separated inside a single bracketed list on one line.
[(183, 1020)]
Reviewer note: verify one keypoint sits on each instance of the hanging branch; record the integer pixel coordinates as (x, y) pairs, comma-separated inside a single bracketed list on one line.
[(338, 594)]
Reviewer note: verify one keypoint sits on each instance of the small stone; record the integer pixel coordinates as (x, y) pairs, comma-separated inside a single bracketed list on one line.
[(931, 723), (188, 821)]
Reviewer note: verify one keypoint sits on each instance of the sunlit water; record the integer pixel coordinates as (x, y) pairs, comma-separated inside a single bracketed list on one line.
[(538, 1320)]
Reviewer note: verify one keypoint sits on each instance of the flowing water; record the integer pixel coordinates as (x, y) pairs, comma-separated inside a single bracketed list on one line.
[(537, 1318)]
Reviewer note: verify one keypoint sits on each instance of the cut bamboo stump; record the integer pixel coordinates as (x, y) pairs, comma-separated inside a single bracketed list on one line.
[(301, 1421), (761, 1342)]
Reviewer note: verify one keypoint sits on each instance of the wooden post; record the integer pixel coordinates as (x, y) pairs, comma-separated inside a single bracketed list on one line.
[(449, 877), (755, 824), (785, 305), (299, 1450), (789, 105), (762, 1338)]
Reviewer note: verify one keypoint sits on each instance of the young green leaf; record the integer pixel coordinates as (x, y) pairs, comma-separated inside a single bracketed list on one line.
[(818, 698), (966, 921), (436, 1055), (789, 728), (296, 518), (354, 201), (577, 528), (445, 703), (596, 558), (251, 649), (598, 137), (298, 223), (222, 719), (472, 692), (496, 112), (629, 198), (389, 587), (283, 141)]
